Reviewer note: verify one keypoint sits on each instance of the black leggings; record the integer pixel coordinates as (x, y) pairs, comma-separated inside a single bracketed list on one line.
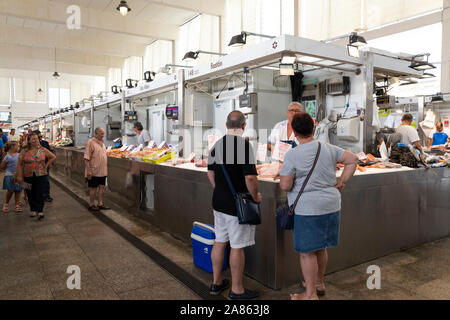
[(36, 196)]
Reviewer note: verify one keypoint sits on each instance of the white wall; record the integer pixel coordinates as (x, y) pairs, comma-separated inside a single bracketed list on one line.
[(24, 112)]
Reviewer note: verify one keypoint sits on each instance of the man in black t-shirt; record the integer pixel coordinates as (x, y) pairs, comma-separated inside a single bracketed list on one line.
[(236, 155)]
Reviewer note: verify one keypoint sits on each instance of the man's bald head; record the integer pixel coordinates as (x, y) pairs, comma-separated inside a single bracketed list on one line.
[(235, 120), (439, 126)]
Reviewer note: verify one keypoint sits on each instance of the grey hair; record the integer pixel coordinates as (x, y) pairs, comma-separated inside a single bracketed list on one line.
[(97, 130), (235, 120), (408, 117), (295, 103), (394, 138)]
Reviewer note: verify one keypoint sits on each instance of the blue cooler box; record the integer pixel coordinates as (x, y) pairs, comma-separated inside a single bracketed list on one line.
[(203, 236)]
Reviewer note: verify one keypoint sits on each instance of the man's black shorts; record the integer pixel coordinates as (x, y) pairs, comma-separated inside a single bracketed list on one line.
[(96, 181)]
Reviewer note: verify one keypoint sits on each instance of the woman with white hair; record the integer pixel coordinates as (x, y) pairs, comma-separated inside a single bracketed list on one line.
[(283, 132)]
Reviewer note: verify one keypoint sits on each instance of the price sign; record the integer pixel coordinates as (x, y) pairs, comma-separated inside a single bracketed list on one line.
[(151, 145), (361, 156), (124, 147), (162, 145), (139, 148)]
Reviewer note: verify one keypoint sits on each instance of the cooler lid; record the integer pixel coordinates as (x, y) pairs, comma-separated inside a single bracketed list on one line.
[(203, 231)]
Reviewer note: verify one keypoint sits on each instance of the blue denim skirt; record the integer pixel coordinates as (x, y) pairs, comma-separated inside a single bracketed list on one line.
[(313, 233), (9, 185)]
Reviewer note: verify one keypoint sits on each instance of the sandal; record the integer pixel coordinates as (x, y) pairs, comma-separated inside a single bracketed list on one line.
[(319, 292), (18, 208), (6, 208), (41, 216), (93, 209), (103, 207), (33, 214)]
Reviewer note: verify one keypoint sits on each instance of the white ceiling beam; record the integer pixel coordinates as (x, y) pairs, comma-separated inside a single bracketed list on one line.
[(87, 42), (211, 7), (47, 66), (53, 12), (397, 27), (62, 56)]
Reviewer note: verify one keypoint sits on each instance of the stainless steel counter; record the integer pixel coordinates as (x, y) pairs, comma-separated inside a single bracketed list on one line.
[(381, 213)]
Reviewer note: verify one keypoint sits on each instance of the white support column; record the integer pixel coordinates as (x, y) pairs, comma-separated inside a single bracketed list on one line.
[(182, 131), (296, 14), (368, 133), (445, 75)]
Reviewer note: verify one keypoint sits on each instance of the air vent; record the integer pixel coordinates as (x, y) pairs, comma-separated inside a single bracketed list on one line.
[(338, 86)]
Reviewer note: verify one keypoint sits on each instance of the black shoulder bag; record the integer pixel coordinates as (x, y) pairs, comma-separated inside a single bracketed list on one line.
[(286, 213), (248, 211)]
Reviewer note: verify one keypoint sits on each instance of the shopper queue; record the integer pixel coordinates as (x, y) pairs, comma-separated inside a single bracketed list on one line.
[(316, 223)]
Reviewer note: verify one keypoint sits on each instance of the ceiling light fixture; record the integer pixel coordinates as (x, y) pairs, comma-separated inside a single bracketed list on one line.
[(353, 51), (287, 69), (437, 98), (354, 43), (191, 55), (55, 74), (289, 58), (39, 80), (149, 76), (114, 89), (421, 65), (427, 76), (241, 39), (356, 40), (129, 83), (123, 8), (406, 82)]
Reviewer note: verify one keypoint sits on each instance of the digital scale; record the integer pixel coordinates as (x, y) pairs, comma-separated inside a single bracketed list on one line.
[(131, 116)]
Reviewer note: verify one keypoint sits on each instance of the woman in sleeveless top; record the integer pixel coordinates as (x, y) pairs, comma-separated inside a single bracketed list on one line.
[(317, 215), (32, 170)]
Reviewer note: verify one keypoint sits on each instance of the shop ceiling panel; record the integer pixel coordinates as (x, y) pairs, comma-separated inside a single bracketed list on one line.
[(2, 19), (30, 23), (81, 3), (48, 26), (100, 4), (60, 28), (163, 14), (13, 21), (111, 36)]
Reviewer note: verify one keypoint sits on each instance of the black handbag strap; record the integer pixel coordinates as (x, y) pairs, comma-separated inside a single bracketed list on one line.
[(292, 208), (227, 177)]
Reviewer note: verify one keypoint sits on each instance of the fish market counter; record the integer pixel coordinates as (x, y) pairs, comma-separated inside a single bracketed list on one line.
[(383, 211), (124, 185)]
